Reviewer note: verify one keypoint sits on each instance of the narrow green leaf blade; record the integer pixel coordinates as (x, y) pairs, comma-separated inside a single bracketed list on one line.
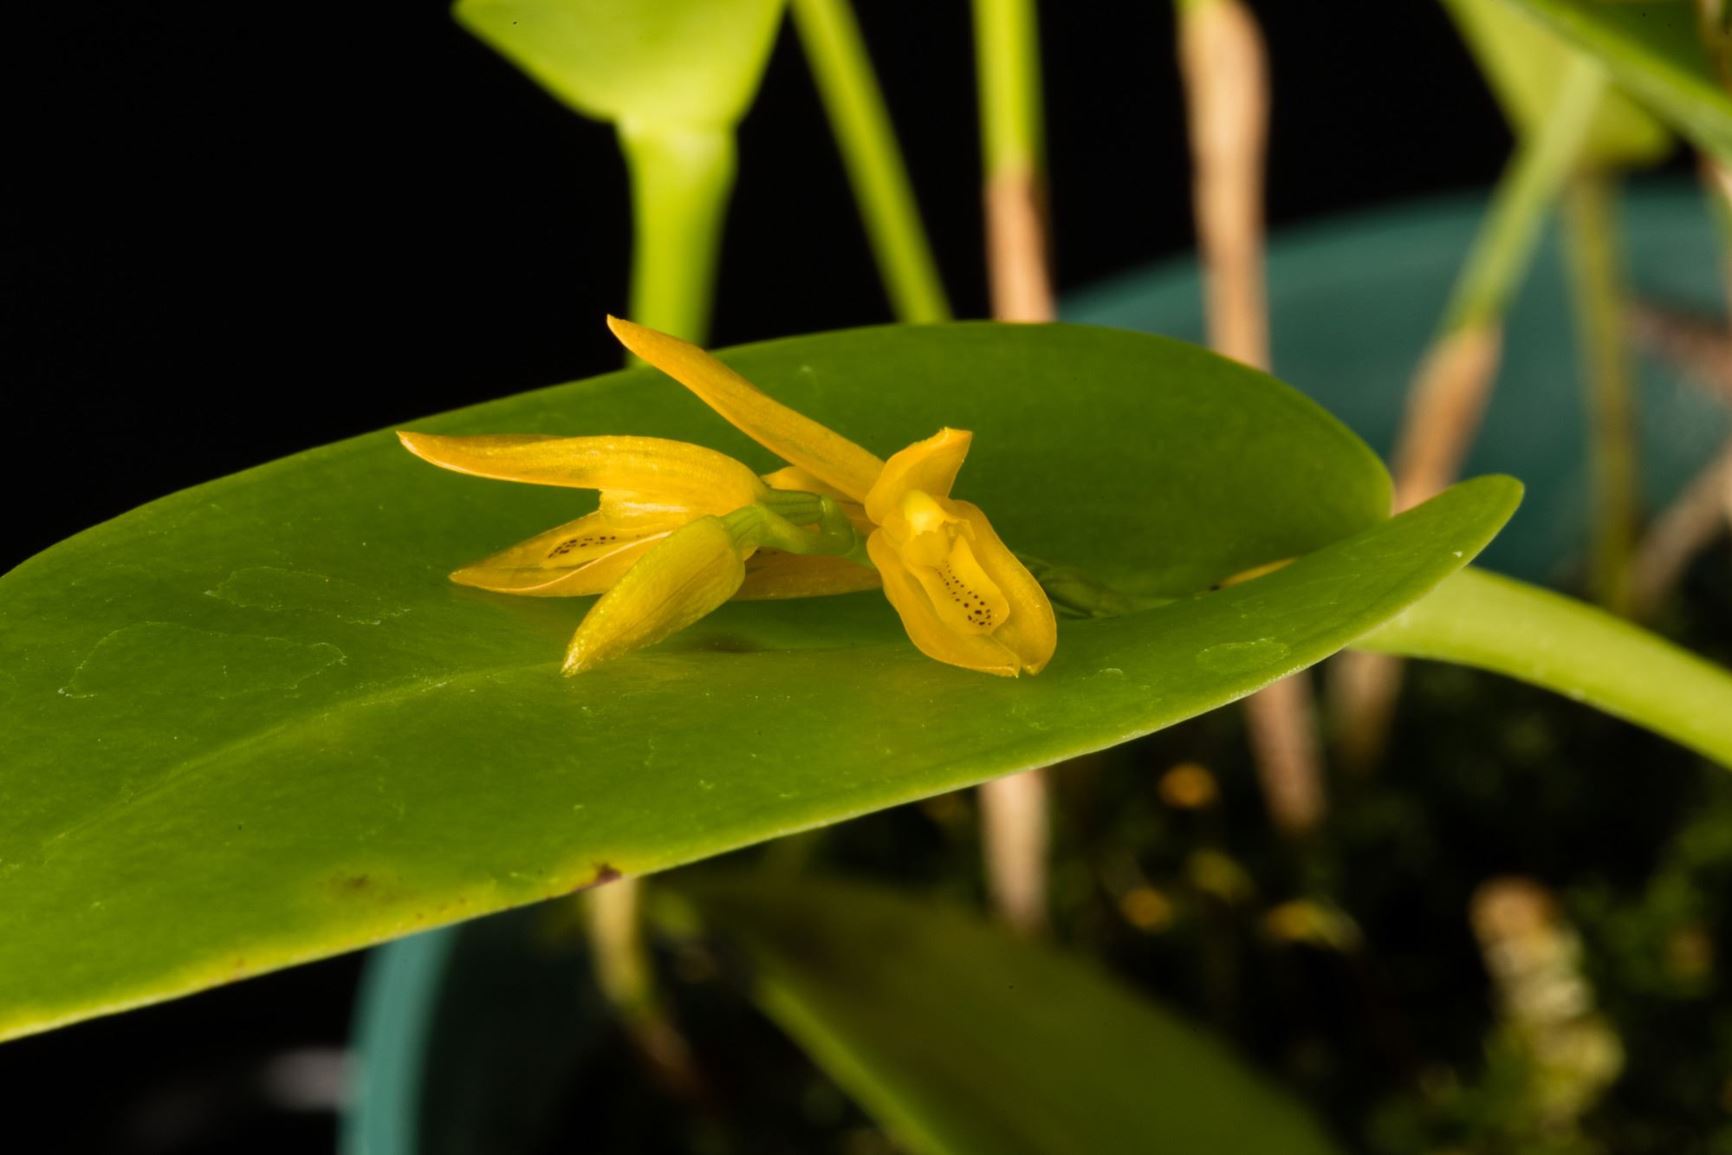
[(963, 1040), (1498, 623), (253, 724), (654, 62), (1655, 53)]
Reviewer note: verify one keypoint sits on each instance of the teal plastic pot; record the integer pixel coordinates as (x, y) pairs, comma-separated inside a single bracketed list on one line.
[(468, 1037)]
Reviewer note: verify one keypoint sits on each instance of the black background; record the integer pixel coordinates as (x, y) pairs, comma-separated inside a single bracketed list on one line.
[(239, 230)]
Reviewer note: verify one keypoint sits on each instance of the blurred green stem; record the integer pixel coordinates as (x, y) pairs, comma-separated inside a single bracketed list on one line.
[(681, 177), (1597, 286), (1007, 48), (1007, 52), (1496, 623), (861, 123), (1528, 188)]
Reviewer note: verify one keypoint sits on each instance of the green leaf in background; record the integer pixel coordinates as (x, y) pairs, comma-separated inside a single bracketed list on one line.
[(1655, 53), (963, 1040), (673, 76), (688, 62), (253, 724), (1525, 66)]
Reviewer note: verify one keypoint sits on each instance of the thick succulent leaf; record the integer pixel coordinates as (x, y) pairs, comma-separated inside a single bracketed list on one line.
[(254, 723), (1655, 53), (964, 1040), (653, 62), (1525, 65)]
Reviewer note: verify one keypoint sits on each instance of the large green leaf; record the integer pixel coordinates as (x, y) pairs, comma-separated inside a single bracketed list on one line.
[(1655, 52), (1525, 65), (253, 724), (963, 1040), (651, 62)]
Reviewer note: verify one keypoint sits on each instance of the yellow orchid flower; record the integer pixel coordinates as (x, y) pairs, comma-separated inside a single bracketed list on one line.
[(964, 598), (680, 529), (649, 488)]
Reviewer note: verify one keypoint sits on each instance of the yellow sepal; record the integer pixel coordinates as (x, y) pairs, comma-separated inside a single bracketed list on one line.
[(1030, 628), (963, 596), (679, 580), (577, 559), (930, 633), (650, 471), (793, 437), (928, 467)]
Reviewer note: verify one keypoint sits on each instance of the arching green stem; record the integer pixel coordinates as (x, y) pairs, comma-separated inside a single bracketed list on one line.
[(1496, 623), (1529, 188), (861, 123)]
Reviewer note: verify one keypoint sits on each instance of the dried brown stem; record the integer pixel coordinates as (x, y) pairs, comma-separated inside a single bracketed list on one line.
[(1227, 97), (1015, 832), (1696, 516), (1701, 351), (1017, 246), (1696, 346), (1363, 689), (1445, 407), (1226, 77), (1282, 724)]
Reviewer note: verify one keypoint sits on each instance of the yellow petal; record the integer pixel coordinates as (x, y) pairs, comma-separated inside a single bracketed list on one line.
[(579, 558), (650, 470), (793, 437), (928, 467), (929, 632), (774, 574), (962, 595), (683, 577), (1030, 628)]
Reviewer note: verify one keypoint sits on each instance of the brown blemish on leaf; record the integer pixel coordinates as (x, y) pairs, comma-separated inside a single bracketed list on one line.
[(603, 875)]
